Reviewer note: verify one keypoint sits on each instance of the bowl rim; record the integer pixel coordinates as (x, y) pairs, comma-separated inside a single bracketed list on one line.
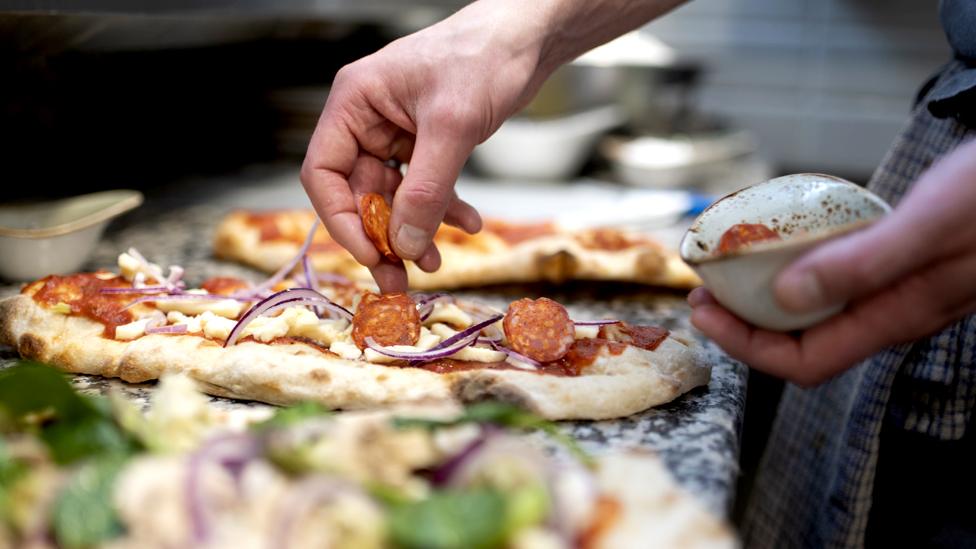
[(128, 199), (773, 246)]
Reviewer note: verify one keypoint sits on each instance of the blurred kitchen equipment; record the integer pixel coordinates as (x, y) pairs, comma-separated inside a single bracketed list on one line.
[(56, 237), (644, 77), (297, 110), (709, 161), (550, 149)]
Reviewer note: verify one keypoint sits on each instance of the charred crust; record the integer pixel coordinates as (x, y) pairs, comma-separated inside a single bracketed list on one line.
[(478, 388), (31, 346), (558, 267)]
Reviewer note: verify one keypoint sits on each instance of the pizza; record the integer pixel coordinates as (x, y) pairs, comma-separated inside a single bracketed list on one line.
[(184, 474), (503, 252), (304, 336)]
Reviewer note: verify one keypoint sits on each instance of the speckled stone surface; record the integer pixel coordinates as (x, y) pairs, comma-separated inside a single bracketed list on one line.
[(697, 435)]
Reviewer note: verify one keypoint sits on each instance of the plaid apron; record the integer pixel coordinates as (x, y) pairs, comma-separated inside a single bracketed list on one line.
[(816, 481)]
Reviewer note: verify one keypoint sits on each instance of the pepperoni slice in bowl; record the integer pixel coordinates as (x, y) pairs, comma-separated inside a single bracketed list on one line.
[(539, 329), (376, 222), (390, 319)]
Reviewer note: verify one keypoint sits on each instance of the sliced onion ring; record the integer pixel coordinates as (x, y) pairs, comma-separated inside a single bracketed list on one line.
[(515, 356), (170, 329), (284, 271), (595, 322), (142, 290), (426, 303), (183, 296), (285, 298), (443, 349)]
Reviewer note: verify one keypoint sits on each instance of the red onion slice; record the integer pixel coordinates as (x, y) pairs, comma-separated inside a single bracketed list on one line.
[(171, 329), (142, 290), (284, 271), (301, 500), (443, 349), (182, 296), (231, 451), (595, 322), (512, 354), (285, 298), (426, 303), (332, 278)]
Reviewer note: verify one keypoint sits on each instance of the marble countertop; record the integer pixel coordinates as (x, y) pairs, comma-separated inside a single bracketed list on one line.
[(697, 435)]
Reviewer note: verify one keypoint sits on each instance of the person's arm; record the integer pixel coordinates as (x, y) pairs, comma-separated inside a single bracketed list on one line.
[(907, 276), (428, 99)]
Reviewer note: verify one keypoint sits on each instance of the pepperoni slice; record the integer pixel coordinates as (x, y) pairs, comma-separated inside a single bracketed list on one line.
[(376, 222), (390, 319), (741, 235), (539, 329)]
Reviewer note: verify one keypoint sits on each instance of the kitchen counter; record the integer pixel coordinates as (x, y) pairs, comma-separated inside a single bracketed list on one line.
[(697, 435)]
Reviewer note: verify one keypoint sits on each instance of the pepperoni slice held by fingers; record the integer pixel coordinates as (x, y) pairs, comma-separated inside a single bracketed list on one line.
[(539, 329), (376, 222), (390, 319)]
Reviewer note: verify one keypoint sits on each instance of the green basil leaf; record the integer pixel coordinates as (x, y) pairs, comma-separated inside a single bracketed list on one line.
[(84, 514), (473, 519)]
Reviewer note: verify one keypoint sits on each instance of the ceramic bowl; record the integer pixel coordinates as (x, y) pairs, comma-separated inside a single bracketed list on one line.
[(806, 210), (544, 150), (56, 237)]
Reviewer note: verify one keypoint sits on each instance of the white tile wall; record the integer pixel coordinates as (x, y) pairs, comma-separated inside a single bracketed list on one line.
[(825, 84)]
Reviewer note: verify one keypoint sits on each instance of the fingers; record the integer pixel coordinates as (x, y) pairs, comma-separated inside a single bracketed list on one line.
[(389, 276), (324, 176), (431, 260), (463, 216), (422, 199)]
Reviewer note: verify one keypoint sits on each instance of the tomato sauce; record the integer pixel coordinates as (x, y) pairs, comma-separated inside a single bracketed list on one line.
[(609, 240), (224, 285), (82, 293), (513, 233), (741, 235)]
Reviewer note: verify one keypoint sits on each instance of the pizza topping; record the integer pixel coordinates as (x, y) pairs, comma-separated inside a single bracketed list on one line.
[(607, 239), (444, 349), (376, 222), (644, 337), (268, 285), (539, 329), (390, 319), (448, 313), (282, 300), (224, 285), (227, 308), (82, 293), (137, 269), (515, 233), (345, 350), (742, 235), (134, 329)]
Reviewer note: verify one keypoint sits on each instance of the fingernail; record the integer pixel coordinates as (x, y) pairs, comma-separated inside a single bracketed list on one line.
[(801, 292), (412, 241)]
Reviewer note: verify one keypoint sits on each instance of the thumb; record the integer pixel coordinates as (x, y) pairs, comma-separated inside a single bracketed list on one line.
[(422, 199), (855, 265)]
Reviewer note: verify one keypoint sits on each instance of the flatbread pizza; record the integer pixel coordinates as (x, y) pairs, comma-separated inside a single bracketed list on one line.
[(303, 336), (503, 252)]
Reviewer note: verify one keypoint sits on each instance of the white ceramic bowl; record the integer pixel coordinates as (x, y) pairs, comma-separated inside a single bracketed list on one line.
[(56, 237), (544, 150), (806, 210)]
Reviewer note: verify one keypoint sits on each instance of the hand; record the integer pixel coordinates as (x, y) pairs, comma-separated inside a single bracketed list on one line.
[(427, 99), (906, 277)]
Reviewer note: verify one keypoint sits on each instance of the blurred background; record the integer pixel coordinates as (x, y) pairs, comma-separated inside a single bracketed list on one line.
[(101, 94)]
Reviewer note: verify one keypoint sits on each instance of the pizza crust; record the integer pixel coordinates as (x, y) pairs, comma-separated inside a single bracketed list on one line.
[(475, 260), (613, 386)]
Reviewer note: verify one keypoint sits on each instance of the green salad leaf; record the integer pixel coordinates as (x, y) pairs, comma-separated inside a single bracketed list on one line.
[(284, 417), (11, 471), (470, 519), (36, 398), (84, 514), (505, 415)]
